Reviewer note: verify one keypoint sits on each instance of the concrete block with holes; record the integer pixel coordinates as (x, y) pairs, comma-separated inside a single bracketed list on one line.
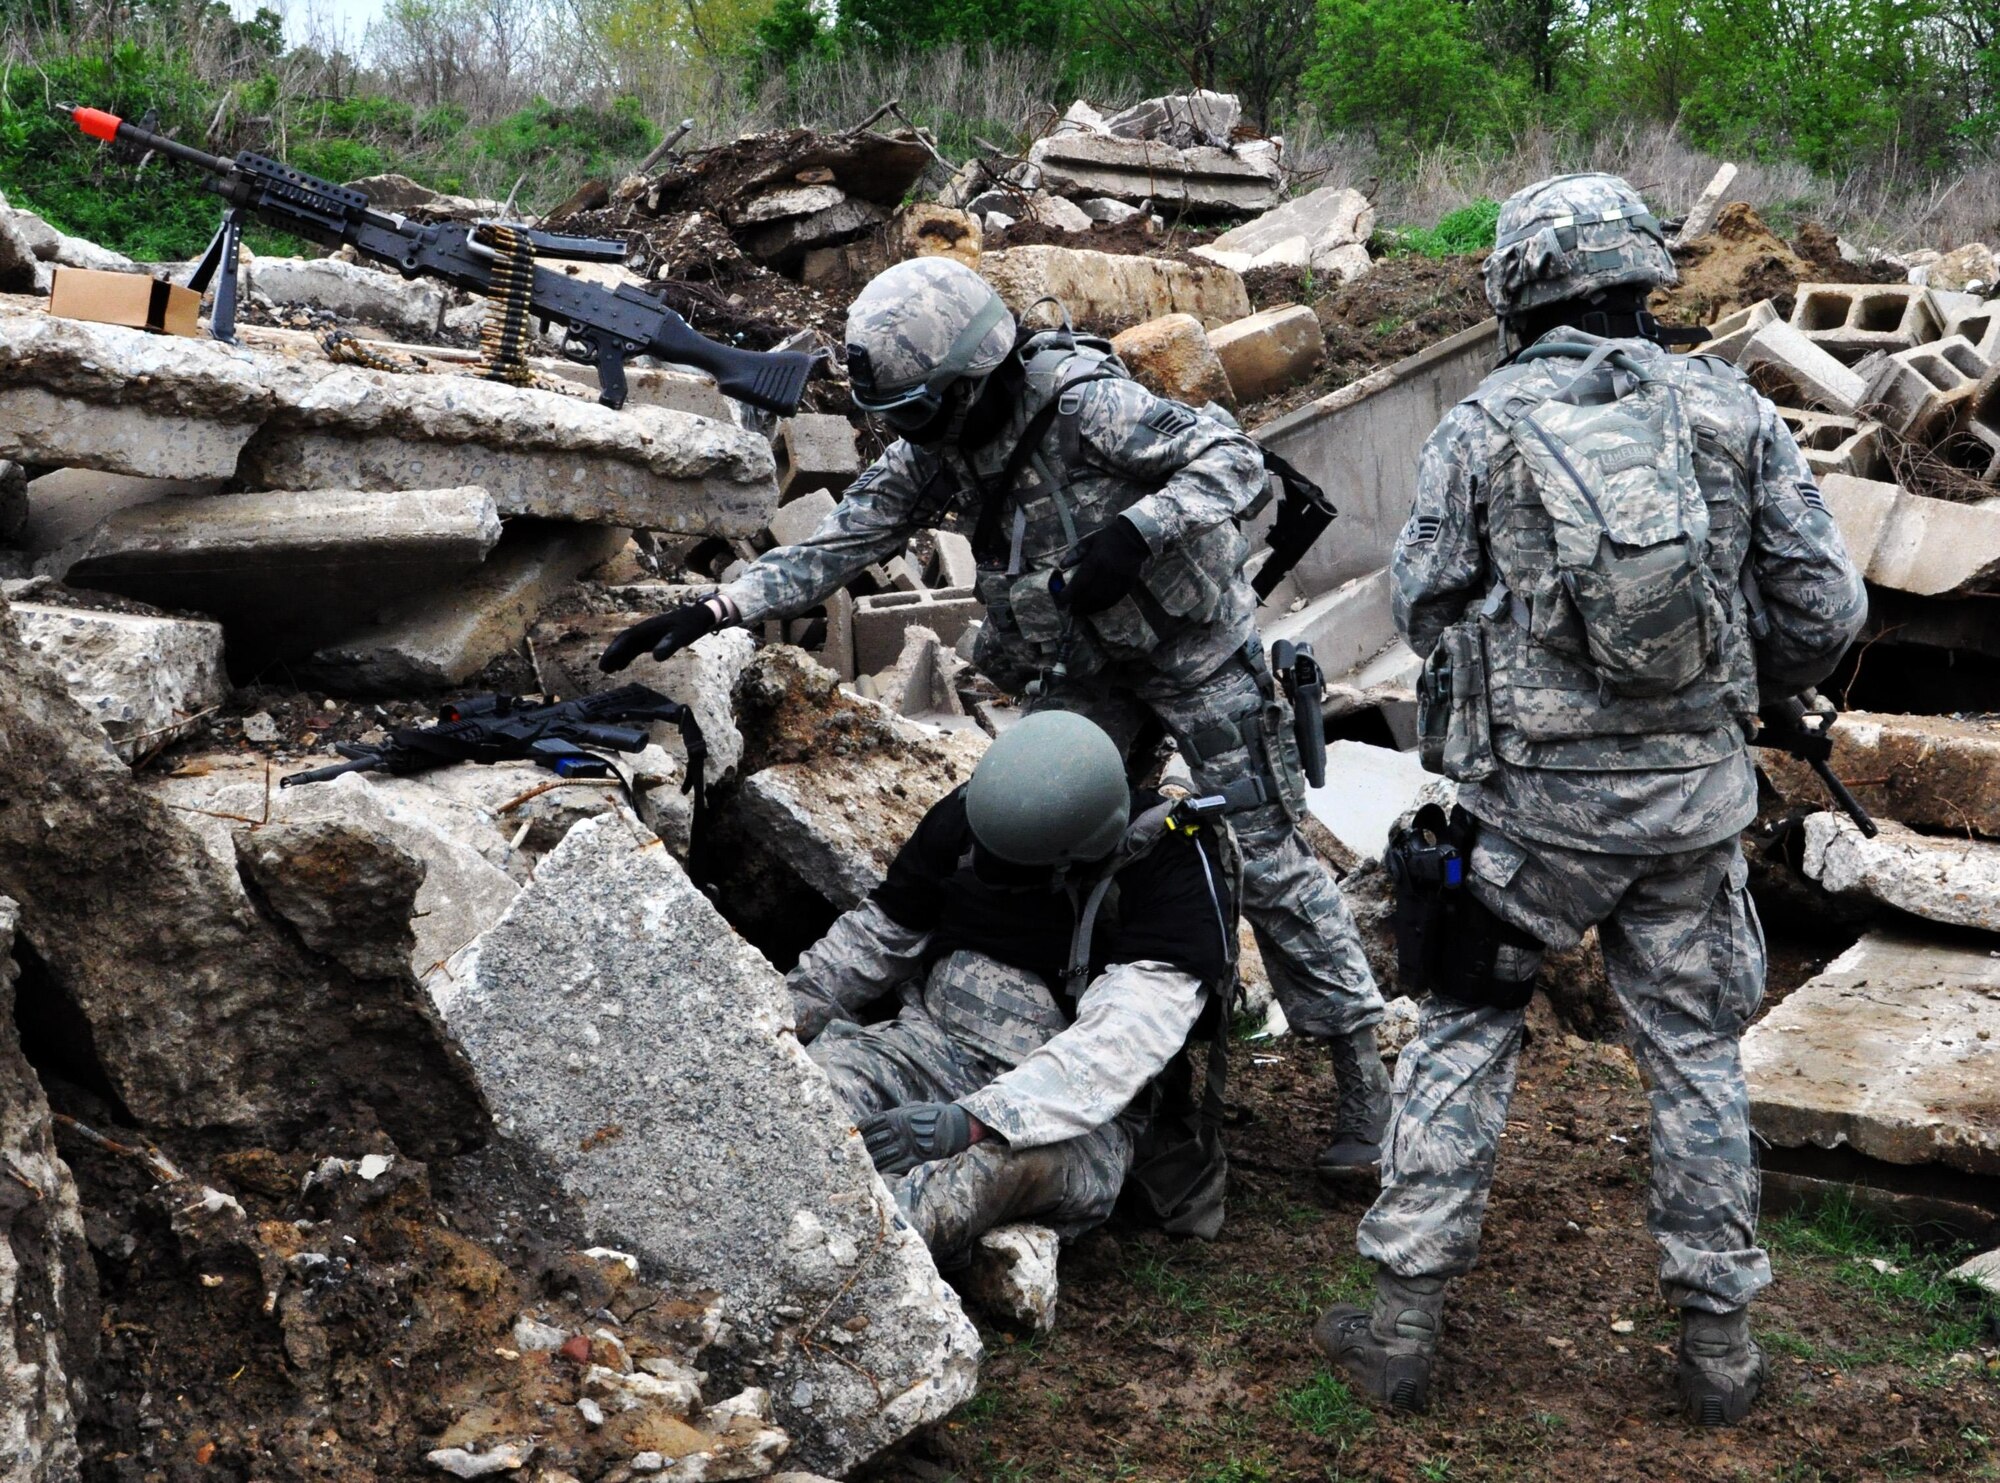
[(879, 622), (1974, 444), (815, 451), (1728, 335), (1849, 320), (1923, 393), (1980, 325), (1794, 372), (1838, 445)]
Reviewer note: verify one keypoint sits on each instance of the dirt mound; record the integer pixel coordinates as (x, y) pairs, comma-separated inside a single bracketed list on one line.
[(1733, 267)]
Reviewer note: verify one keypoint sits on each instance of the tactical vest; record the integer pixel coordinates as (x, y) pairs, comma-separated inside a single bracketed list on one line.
[(1551, 702), (1044, 496)]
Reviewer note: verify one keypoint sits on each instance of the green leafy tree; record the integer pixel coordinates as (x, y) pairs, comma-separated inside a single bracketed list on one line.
[(1407, 69)]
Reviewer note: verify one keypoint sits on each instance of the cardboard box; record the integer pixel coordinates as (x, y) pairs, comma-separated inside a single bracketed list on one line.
[(124, 298)]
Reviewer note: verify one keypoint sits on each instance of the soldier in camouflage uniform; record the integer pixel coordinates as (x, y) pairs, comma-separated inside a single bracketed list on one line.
[(1110, 562), (1609, 786), (1011, 1085)]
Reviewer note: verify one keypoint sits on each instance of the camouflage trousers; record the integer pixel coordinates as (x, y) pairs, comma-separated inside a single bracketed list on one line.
[(1072, 1185), (1685, 955), (1228, 731)]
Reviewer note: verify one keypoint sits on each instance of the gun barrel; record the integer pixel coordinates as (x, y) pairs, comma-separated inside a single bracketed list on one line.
[(1863, 820), (114, 130)]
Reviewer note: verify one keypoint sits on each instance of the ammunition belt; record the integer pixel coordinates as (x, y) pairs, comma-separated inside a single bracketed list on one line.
[(352, 350), (503, 335)]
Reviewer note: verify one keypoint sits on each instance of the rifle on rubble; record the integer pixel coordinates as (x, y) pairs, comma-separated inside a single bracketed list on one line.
[(564, 736), (602, 327), (1804, 729)]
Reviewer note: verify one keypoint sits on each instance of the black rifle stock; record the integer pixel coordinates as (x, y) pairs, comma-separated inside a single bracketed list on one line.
[(602, 327)]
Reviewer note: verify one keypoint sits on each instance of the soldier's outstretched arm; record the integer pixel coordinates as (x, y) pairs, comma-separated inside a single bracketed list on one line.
[(1129, 1024), (864, 955), (1439, 565), (1207, 471), (873, 522), (1812, 595)]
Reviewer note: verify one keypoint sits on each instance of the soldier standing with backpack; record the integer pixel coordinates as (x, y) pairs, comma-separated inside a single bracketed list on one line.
[(1617, 556), (1104, 522)]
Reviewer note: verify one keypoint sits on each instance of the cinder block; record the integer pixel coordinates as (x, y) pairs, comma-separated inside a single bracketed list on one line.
[(1171, 357), (1271, 351), (1975, 444), (1794, 372), (1922, 393), (879, 622), (953, 565), (792, 523), (1848, 320), (1728, 335), (1838, 445), (1980, 325), (815, 451)]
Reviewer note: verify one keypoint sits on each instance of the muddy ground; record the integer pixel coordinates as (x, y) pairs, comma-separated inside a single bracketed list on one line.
[(1189, 1361)]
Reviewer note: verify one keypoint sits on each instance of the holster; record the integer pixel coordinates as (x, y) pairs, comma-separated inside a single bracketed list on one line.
[(1447, 942)]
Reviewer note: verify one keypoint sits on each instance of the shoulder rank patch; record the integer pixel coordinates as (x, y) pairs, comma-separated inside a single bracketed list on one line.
[(1422, 530), (1170, 419), (863, 479), (1811, 495)]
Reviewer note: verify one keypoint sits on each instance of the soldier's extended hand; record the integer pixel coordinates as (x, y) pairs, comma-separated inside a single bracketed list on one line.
[(903, 1137), (666, 634), (1109, 569)]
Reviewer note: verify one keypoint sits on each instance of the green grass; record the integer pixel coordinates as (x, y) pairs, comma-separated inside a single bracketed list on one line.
[(1325, 1407), (1235, 1470), (1468, 229)]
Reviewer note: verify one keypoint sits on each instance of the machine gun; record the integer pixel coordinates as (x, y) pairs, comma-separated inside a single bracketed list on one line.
[(1304, 513), (558, 735), (602, 327), (1803, 726)]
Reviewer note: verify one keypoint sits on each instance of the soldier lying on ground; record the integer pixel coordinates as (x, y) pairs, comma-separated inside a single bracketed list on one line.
[(1616, 557), (1013, 1085), (1105, 526)]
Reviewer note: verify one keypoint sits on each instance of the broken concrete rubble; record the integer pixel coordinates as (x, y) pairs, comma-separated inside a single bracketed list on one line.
[(1920, 393), (410, 308), (1326, 230), (815, 451), (1951, 880), (1103, 290), (535, 452), (1270, 351), (1012, 1278), (200, 1012), (1201, 178), (143, 679), (1931, 772), (1794, 372), (881, 619), (48, 1284), (720, 1158), (1928, 547), (1172, 357), (443, 636), (324, 556), (1891, 1051)]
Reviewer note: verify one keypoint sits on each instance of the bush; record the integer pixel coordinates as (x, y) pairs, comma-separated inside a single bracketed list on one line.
[(1468, 229)]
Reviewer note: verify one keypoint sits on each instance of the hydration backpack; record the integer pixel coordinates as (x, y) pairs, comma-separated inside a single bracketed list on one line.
[(1610, 456)]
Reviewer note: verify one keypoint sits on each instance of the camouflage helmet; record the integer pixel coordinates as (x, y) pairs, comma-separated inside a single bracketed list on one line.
[(918, 328), (1050, 791), (1571, 236)]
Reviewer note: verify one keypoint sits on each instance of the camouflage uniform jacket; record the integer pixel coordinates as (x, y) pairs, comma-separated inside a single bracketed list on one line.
[(983, 963), (1181, 477), (1569, 763)]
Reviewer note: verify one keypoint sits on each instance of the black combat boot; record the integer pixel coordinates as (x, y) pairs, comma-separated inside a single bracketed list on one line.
[(1361, 1112), (1721, 1368), (1386, 1354)]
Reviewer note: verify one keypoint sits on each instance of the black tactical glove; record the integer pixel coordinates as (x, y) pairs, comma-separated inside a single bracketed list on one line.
[(1801, 724), (1109, 569), (903, 1137), (666, 634)]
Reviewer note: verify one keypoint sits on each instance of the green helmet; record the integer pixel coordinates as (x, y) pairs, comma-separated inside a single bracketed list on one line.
[(1050, 791), (1572, 236), (917, 329)]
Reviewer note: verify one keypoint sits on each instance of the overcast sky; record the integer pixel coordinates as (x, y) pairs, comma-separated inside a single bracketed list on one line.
[(345, 19)]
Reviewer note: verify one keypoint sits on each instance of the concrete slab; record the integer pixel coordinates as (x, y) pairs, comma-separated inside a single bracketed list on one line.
[(1915, 544), (66, 505), (1113, 292), (1308, 231), (142, 678), (1368, 789), (1203, 177), (1954, 881), (447, 635), (1931, 771), (1894, 1050), (323, 558)]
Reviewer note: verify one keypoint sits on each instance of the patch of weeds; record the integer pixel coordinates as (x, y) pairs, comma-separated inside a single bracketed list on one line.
[(1778, 1342), (1160, 1277), (1858, 1250), (1468, 229), (1236, 1470), (983, 1407), (1382, 329), (1435, 1469), (1326, 1408)]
